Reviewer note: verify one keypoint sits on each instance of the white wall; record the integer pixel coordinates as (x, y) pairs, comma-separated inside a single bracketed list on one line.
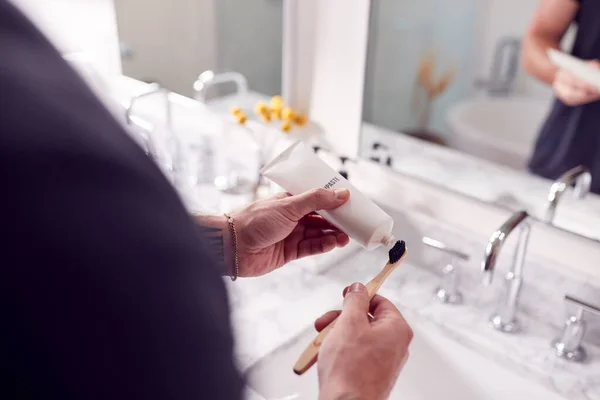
[(79, 25), (250, 41), (171, 41), (402, 33)]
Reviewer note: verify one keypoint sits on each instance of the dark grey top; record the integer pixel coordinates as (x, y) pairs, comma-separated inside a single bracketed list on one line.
[(571, 135), (106, 289)]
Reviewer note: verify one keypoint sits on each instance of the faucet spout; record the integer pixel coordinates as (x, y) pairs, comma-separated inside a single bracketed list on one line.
[(580, 176), (151, 89), (505, 317), (492, 250)]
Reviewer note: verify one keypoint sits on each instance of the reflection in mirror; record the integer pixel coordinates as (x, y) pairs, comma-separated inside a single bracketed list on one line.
[(464, 95), (172, 42)]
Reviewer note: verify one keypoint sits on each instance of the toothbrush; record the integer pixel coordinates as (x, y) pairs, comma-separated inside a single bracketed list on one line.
[(309, 355)]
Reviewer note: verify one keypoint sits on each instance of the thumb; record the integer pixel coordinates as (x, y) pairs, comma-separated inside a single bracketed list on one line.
[(313, 200), (594, 63), (356, 303)]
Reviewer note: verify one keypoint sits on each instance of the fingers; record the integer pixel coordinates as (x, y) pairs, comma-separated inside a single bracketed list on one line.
[(356, 304), (323, 244), (594, 63), (381, 307), (387, 317), (317, 221), (326, 319), (341, 237), (573, 91), (297, 207)]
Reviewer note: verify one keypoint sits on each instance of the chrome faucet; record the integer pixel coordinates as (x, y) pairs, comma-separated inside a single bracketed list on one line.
[(208, 78), (579, 176), (448, 292), (505, 317), (505, 67), (569, 344), (151, 89), (166, 148), (144, 132), (381, 154)]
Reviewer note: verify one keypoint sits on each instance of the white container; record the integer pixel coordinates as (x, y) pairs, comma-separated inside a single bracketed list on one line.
[(297, 169)]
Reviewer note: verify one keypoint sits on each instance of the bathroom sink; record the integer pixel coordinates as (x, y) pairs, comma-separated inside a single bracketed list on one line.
[(438, 368), (502, 130)]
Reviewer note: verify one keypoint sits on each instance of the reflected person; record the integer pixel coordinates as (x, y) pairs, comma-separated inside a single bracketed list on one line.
[(110, 289), (570, 135)]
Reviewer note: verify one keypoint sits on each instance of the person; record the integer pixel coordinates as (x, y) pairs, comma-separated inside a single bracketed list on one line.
[(569, 137), (110, 289)]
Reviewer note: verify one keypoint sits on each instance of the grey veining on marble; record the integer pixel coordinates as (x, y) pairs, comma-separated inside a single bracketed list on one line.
[(272, 310), (484, 180)]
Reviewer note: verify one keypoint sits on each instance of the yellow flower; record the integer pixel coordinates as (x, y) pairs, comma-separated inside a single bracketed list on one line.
[(286, 125), (287, 113), (235, 110)]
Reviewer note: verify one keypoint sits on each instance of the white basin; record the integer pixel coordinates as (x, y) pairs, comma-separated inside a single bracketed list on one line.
[(502, 130), (438, 368)]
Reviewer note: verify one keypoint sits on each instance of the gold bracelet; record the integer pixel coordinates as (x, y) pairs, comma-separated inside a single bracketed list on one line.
[(236, 268)]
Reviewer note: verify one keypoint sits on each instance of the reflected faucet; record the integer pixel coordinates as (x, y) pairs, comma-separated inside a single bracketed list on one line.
[(151, 89), (579, 176), (208, 78), (505, 67), (505, 317)]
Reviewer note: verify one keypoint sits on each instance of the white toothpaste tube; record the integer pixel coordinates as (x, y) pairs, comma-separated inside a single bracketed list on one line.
[(297, 169)]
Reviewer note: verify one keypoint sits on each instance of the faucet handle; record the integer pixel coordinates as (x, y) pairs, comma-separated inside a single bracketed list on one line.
[(568, 345), (209, 78), (448, 291), (381, 154), (436, 244)]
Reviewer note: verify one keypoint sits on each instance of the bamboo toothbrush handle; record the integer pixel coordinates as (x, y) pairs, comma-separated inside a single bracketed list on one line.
[(309, 355), (375, 283)]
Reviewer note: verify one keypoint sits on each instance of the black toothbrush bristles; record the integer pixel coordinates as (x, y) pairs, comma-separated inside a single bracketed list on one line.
[(397, 251)]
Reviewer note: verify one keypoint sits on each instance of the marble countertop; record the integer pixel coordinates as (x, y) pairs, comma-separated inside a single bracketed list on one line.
[(483, 180), (270, 311)]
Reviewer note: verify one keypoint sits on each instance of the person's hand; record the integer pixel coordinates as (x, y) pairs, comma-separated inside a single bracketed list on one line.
[(573, 91), (361, 358), (274, 232)]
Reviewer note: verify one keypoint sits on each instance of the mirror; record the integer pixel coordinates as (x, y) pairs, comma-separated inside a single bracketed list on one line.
[(172, 42), (447, 100)]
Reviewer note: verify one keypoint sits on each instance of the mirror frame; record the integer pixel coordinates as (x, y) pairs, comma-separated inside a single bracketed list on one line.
[(325, 55)]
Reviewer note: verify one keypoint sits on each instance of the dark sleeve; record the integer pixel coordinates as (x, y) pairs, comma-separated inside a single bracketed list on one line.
[(107, 292)]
